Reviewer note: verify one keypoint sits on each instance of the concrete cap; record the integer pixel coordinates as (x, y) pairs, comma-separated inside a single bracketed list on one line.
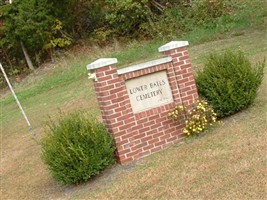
[(173, 45), (145, 65), (102, 62)]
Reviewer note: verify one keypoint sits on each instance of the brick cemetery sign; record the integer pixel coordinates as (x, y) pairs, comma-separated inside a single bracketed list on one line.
[(135, 101)]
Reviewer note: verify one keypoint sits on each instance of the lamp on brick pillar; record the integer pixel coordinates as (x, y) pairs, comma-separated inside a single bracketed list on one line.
[(183, 70), (114, 103)]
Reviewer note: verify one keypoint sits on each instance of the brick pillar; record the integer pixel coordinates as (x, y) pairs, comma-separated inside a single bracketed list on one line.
[(114, 104), (183, 70)]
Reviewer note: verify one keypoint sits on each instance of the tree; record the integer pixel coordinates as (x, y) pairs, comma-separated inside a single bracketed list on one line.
[(80, 18), (27, 24)]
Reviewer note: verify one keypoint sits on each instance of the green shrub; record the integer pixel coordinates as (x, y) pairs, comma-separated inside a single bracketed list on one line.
[(208, 16), (206, 11), (77, 148), (198, 119), (126, 16), (229, 82)]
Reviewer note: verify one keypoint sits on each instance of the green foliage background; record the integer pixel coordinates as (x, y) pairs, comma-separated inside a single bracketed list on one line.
[(36, 23)]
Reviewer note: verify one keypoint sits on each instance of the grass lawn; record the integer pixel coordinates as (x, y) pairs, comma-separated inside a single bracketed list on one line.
[(229, 162)]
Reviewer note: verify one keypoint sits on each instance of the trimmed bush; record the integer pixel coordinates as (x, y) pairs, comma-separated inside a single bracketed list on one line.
[(77, 148), (229, 82)]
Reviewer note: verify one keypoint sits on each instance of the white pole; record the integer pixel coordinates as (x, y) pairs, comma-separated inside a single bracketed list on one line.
[(16, 98), (10, 1)]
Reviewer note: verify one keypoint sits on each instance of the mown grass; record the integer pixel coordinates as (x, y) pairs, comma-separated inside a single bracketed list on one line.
[(228, 163)]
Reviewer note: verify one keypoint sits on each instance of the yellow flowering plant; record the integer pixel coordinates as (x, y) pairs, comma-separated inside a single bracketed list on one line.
[(197, 119), (177, 113)]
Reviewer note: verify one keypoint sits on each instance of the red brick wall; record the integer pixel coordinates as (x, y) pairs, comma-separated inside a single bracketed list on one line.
[(140, 134)]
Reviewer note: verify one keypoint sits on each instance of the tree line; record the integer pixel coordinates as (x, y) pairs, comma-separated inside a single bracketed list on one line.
[(32, 30)]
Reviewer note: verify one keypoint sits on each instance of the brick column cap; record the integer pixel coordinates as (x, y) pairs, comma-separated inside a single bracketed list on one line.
[(173, 45), (102, 62)]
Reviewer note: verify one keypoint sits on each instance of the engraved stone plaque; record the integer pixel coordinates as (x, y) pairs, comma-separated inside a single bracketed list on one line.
[(149, 91)]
